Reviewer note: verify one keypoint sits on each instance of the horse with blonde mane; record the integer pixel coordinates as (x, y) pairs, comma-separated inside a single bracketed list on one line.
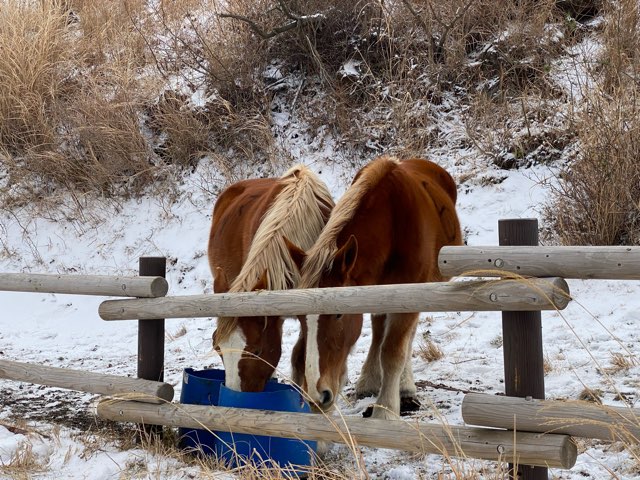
[(387, 229), (252, 222)]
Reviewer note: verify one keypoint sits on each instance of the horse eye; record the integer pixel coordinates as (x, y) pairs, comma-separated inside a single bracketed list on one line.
[(338, 316)]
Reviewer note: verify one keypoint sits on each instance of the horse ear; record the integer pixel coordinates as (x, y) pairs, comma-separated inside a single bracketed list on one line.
[(347, 255), (297, 254), (220, 282), (262, 283)]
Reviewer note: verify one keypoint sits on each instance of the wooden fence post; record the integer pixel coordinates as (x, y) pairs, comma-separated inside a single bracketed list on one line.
[(151, 335), (522, 339)]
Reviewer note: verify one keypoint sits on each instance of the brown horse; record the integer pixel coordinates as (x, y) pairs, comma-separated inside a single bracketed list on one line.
[(248, 251), (387, 228)]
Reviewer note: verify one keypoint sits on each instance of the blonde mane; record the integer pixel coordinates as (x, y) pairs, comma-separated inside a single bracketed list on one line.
[(296, 213), (320, 256)]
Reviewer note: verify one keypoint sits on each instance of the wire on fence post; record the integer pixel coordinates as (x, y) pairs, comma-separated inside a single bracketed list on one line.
[(522, 339), (151, 336)]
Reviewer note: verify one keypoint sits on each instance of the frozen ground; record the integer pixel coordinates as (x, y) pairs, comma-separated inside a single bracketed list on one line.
[(58, 428)]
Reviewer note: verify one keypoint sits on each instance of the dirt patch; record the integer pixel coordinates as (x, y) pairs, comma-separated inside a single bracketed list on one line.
[(49, 405)]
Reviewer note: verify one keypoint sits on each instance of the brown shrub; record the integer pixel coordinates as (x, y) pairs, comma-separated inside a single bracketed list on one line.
[(596, 200), (69, 115), (36, 57), (620, 59)]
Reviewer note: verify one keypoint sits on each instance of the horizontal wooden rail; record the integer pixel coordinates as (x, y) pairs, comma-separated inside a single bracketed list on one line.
[(621, 263), (104, 285), (522, 448), (487, 295), (114, 385), (580, 419)]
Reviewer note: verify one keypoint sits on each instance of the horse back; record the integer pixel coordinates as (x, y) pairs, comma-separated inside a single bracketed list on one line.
[(236, 216), (421, 202), (435, 183)]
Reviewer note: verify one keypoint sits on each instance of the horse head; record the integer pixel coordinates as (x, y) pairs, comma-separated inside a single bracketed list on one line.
[(320, 358), (250, 347)]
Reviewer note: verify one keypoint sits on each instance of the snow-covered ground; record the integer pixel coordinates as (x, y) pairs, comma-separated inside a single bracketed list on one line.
[(65, 331)]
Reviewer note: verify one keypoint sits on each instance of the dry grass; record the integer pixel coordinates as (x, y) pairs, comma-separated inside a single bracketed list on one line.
[(596, 200), (69, 109), (597, 197), (621, 362), (620, 59), (80, 112), (23, 464), (591, 395), (37, 55), (429, 351)]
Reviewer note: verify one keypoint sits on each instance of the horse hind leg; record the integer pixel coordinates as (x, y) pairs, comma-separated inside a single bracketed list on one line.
[(408, 393), (371, 375), (398, 338)]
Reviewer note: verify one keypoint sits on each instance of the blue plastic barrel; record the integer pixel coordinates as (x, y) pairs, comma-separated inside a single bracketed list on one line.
[(200, 388), (206, 387)]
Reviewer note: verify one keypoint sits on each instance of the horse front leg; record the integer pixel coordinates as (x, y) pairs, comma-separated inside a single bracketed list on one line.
[(399, 331), (298, 354), (371, 374)]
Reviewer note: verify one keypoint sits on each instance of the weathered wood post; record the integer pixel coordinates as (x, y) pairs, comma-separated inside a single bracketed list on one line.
[(522, 339), (151, 335)]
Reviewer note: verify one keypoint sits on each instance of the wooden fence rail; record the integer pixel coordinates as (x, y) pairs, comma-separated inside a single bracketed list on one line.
[(615, 263), (580, 419), (500, 445), (486, 295), (104, 285), (102, 384)]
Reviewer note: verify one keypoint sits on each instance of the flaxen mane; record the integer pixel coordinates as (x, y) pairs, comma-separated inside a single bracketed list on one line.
[(296, 213), (321, 255)]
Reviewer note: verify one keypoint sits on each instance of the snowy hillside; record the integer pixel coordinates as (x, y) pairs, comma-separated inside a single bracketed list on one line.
[(521, 96), (65, 331)]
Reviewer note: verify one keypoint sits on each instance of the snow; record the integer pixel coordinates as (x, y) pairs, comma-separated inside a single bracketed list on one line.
[(55, 426), (65, 330)]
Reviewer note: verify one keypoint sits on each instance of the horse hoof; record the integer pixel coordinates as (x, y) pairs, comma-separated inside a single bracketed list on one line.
[(368, 412), (361, 395), (408, 405)]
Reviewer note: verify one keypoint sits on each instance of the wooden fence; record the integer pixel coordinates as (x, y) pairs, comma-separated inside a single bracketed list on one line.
[(520, 299)]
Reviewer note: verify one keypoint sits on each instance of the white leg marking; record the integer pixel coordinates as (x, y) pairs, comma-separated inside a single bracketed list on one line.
[(312, 358), (407, 383)]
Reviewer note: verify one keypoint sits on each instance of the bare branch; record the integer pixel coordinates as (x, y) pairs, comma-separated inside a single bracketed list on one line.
[(415, 13), (296, 21), (256, 28), (439, 47), (460, 14)]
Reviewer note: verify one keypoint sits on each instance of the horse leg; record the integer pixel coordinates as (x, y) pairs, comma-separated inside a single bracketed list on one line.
[(297, 355), (408, 392), (398, 337), (371, 375)]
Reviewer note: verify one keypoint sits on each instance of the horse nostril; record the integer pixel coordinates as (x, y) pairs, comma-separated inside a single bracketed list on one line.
[(327, 397)]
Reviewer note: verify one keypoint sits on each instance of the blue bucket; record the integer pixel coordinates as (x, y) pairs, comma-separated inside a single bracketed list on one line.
[(206, 387), (200, 388)]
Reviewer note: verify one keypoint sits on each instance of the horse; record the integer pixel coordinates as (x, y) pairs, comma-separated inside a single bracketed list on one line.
[(252, 222), (387, 228)]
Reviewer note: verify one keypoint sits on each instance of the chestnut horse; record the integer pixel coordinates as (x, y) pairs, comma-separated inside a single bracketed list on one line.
[(387, 228), (248, 251)]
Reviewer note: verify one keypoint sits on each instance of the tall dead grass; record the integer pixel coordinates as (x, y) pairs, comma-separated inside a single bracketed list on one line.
[(70, 104), (37, 56), (596, 200), (84, 107)]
